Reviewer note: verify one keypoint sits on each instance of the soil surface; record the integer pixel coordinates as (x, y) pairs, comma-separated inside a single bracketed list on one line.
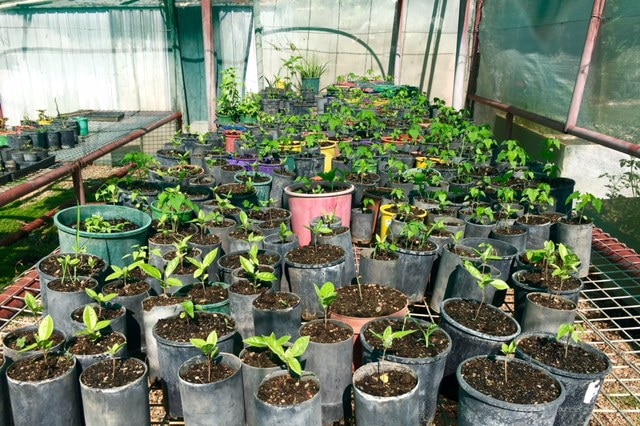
[(207, 295), (277, 301), (365, 178), (410, 346), (260, 358), (550, 352), (206, 372), (384, 255), (130, 289), (522, 385), (533, 219), (11, 339), (488, 321), (376, 301), (315, 255), (231, 167), (205, 240), (178, 329), (270, 214), (247, 288), (70, 285), (253, 178), (233, 188), (40, 368), (162, 300), (101, 374), (83, 345), (105, 313), (243, 234), (464, 252), (397, 383), (52, 267), (539, 280), (285, 390), (553, 302), (233, 261), (415, 244), (331, 333), (509, 231)]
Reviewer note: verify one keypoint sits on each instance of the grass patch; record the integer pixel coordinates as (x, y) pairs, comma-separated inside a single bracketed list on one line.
[(27, 251)]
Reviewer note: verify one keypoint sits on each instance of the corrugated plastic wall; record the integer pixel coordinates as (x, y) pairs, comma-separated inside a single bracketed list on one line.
[(111, 59)]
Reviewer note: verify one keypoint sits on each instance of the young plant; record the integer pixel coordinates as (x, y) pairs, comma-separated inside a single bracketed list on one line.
[(284, 233), (583, 200), (327, 294), (289, 356), (112, 352), (426, 333), (100, 298), (320, 228), (486, 253), (251, 267), (92, 325), (202, 268), (569, 263), (382, 246), (569, 332), (509, 352), (166, 280), (189, 310), (43, 337), (209, 349), (33, 304), (125, 272), (483, 280), (68, 262), (387, 338)]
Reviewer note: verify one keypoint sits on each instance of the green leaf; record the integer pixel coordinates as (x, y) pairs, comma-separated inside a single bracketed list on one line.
[(45, 329), (247, 265), (255, 341), (117, 273), (210, 258), (173, 282), (151, 271), (265, 276), (300, 345), (499, 284), (89, 317), (198, 343), (294, 366)]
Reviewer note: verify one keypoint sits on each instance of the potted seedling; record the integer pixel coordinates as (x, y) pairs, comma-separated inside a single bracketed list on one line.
[(379, 265)]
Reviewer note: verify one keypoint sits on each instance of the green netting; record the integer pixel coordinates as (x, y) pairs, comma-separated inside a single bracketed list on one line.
[(530, 53), (612, 95)]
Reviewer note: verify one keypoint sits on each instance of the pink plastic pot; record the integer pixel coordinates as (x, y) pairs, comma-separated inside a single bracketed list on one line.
[(305, 207)]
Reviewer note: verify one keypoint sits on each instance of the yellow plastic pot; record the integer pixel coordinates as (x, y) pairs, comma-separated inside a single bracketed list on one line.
[(329, 151), (387, 213)]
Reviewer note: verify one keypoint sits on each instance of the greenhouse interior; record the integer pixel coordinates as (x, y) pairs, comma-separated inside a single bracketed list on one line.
[(304, 212)]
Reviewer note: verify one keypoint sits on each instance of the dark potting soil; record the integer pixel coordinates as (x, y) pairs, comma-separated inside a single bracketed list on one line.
[(336, 231), (315, 255), (243, 234), (397, 383), (415, 244), (40, 368), (178, 329), (271, 224), (364, 178), (83, 345), (410, 346), (488, 321), (225, 224), (161, 237), (549, 282), (253, 178), (277, 301), (105, 313), (233, 189), (464, 252), (205, 240), (126, 225), (207, 295), (269, 214), (384, 255), (130, 289), (575, 220), (551, 352), (553, 302), (11, 339), (285, 390), (70, 285), (330, 333), (260, 358), (509, 231), (233, 261), (523, 384), (162, 300), (52, 267), (376, 301), (246, 288), (206, 372), (232, 168), (113, 374), (533, 219)]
